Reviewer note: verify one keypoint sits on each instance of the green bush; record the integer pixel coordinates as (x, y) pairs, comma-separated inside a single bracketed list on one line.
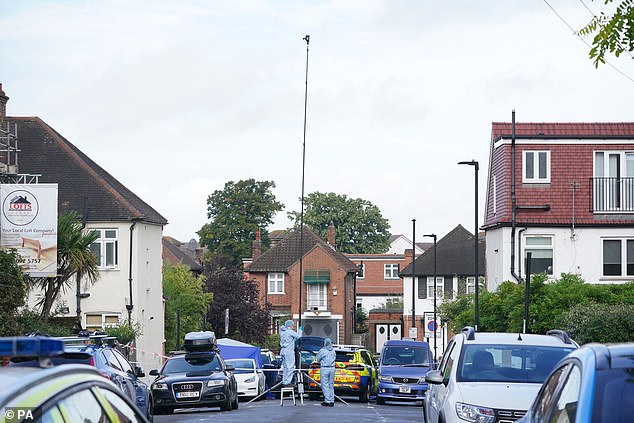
[(125, 332), (13, 289), (603, 323), (31, 322)]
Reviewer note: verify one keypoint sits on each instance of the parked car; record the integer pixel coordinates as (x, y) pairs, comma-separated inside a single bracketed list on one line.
[(98, 351), (306, 349), (251, 380), (591, 384), (491, 377), (73, 392), (355, 374), (270, 362), (197, 378), (402, 370)]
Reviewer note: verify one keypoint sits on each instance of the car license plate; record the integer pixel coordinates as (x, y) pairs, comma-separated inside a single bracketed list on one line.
[(404, 389), (187, 394)]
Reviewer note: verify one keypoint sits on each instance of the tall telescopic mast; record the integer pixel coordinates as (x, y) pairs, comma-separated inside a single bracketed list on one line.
[(301, 213)]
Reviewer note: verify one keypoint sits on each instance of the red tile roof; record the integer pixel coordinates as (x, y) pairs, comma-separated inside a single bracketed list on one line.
[(563, 130)]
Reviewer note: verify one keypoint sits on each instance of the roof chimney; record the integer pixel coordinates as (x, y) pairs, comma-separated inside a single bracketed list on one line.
[(3, 106), (331, 234), (256, 246), (409, 256)]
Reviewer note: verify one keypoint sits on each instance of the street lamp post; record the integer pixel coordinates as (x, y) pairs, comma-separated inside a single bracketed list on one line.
[(414, 274), (435, 321), (475, 237)]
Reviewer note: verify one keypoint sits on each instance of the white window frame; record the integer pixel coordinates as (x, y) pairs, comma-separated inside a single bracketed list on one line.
[(608, 195), (470, 288), (106, 320), (390, 271), (317, 296), (623, 257), (107, 246), (544, 247), (275, 283), (440, 287), (536, 179)]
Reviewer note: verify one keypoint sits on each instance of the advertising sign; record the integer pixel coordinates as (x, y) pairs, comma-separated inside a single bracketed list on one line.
[(29, 225)]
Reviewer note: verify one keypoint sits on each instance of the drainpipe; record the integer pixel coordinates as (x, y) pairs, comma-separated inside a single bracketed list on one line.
[(130, 306), (513, 199), (519, 252)]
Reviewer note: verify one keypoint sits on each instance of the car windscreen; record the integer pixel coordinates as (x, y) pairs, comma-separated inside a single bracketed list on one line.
[(405, 356), (508, 363), (344, 356), (242, 366), (187, 364), (613, 395)]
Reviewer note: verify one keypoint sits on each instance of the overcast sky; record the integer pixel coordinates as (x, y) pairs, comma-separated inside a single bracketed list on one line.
[(175, 98)]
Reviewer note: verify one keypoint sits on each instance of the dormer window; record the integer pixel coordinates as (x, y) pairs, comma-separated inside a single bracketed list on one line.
[(536, 167)]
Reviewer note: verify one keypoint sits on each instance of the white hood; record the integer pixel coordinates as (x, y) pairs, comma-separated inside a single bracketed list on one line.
[(506, 396)]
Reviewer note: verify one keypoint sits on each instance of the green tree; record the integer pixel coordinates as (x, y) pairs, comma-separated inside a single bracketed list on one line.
[(185, 293), (236, 213), (613, 33), (13, 288), (362, 320), (360, 227), (74, 259), (248, 318)]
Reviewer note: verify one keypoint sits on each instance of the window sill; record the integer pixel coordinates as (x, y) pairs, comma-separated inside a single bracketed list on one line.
[(276, 293)]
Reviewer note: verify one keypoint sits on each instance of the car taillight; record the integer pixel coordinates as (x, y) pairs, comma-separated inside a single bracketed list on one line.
[(106, 375), (92, 361)]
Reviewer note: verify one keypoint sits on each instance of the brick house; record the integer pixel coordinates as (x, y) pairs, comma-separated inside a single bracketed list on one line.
[(454, 276), (569, 201), (128, 249), (190, 254), (378, 279), (328, 288)]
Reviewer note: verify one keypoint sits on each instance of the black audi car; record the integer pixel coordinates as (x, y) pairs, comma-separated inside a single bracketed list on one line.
[(194, 379)]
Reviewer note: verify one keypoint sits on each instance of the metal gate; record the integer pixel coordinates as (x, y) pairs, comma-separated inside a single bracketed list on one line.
[(386, 331)]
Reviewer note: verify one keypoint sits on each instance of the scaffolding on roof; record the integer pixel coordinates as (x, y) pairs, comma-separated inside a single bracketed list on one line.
[(9, 157)]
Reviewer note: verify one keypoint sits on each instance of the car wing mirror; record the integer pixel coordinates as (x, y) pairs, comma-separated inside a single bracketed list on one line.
[(229, 368), (138, 371), (434, 377), (154, 372)]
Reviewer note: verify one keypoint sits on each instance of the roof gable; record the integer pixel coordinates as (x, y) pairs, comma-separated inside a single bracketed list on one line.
[(284, 254), (82, 184), (454, 257)]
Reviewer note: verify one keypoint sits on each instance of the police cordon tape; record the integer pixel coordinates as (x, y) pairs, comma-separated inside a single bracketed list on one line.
[(166, 357)]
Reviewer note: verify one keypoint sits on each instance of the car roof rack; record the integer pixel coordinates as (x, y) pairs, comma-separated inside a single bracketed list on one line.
[(561, 334), (469, 332)]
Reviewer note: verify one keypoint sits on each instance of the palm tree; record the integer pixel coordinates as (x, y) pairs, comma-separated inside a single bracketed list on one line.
[(74, 258)]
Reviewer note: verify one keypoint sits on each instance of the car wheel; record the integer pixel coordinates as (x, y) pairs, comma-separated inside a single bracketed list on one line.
[(226, 405), (380, 401), (313, 396), (148, 412), (234, 403), (364, 394)]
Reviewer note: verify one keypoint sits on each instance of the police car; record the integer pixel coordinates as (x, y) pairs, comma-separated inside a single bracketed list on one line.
[(197, 378), (71, 393)]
